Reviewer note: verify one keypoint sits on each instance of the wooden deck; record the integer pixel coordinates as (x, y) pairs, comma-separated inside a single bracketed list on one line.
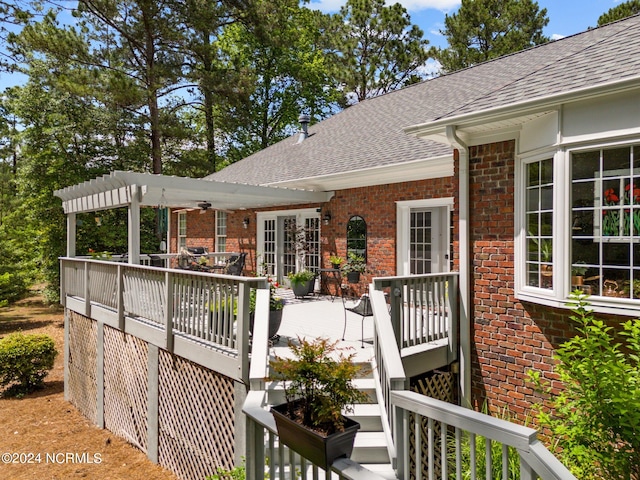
[(321, 316)]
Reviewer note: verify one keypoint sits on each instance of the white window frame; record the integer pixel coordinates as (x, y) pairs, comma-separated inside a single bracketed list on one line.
[(403, 215), (181, 233), (559, 294), (221, 231)]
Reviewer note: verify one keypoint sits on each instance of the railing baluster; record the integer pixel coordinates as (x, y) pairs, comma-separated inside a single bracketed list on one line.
[(487, 457), (443, 450)]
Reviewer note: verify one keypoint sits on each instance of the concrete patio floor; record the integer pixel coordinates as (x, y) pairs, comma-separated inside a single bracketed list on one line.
[(321, 316)]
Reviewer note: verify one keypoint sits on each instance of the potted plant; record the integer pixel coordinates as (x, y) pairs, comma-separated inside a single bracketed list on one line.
[(335, 261), (302, 282), (577, 273), (319, 387), (354, 266), (276, 304)]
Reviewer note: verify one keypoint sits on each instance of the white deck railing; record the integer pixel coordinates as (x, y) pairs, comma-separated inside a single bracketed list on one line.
[(167, 260), (212, 310), (460, 431), (424, 308)]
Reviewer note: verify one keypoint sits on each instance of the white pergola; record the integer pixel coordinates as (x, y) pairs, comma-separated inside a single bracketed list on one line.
[(135, 190)]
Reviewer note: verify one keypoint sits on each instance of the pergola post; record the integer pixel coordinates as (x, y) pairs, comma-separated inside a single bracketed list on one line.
[(71, 234), (134, 226)]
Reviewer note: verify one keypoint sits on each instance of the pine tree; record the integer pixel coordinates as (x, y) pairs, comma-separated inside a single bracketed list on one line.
[(486, 29), (619, 12)]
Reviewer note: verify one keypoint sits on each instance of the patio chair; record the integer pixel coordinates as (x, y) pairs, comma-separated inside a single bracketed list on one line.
[(358, 305), (235, 264)]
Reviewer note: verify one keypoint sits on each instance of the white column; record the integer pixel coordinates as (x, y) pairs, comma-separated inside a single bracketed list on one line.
[(71, 235), (134, 226)]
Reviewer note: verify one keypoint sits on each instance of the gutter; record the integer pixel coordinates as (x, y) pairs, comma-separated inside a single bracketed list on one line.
[(524, 107), (465, 264)]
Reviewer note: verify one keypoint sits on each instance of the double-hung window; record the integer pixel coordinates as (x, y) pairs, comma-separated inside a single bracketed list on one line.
[(221, 231), (605, 220), (182, 231), (539, 223)]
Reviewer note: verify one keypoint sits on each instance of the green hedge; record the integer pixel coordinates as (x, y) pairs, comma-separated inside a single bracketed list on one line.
[(12, 288), (25, 360)]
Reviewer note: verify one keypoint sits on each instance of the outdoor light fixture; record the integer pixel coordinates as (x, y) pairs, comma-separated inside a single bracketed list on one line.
[(326, 218), (245, 222)]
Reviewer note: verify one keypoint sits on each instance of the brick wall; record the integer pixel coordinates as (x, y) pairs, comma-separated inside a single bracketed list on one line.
[(509, 337), (377, 205)]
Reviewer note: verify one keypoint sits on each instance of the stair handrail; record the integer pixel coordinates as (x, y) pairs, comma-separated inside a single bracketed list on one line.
[(535, 460), (388, 370)]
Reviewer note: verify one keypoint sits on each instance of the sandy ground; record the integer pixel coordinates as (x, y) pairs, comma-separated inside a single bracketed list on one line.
[(42, 436)]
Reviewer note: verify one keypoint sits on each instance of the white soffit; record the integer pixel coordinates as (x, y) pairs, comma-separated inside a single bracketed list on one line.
[(119, 188)]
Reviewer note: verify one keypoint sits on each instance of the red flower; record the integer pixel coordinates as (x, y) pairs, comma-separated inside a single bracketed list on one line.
[(610, 195)]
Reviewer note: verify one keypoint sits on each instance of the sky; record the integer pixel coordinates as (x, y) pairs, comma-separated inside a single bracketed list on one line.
[(566, 17)]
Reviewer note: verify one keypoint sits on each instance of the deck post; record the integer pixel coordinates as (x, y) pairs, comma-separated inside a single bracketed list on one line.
[(396, 310), (168, 314), (100, 375), (87, 300), (120, 299), (67, 347), (240, 429), (152, 402)]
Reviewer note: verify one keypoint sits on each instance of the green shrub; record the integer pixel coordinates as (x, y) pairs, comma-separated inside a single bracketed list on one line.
[(480, 464), (595, 419), (12, 288), (25, 360)]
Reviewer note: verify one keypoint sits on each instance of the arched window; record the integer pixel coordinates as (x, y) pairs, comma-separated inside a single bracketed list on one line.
[(357, 236)]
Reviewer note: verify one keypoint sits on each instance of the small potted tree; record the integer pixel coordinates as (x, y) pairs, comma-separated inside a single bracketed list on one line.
[(318, 388), (354, 266)]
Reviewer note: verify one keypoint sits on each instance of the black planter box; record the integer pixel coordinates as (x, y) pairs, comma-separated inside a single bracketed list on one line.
[(321, 451)]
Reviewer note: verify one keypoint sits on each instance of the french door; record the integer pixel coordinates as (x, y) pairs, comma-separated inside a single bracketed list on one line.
[(423, 237), (288, 241)]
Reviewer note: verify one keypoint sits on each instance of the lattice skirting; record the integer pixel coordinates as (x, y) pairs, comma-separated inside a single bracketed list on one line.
[(439, 385), (125, 386), (196, 418), (82, 364), (195, 406)]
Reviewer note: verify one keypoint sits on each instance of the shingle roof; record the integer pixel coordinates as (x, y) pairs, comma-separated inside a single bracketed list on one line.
[(370, 134)]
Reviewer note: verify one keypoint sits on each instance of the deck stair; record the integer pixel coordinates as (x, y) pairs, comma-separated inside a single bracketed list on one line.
[(370, 447)]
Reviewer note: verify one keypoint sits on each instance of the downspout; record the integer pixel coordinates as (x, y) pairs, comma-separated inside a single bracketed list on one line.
[(465, 264)]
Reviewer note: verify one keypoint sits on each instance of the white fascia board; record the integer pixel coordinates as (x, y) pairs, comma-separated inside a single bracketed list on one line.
[(535, 105), (435, 167)]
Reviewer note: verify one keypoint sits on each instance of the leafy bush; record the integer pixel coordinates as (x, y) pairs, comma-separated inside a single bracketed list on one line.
[(12, 288), (25, 360), (595, 419)]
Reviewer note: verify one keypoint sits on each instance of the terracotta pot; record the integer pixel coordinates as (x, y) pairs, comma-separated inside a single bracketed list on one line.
[(320, 450)]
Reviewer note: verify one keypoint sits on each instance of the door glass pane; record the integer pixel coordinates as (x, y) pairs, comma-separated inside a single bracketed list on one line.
[(288, 227), (421, 242), (312, 232), (269, 260)]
